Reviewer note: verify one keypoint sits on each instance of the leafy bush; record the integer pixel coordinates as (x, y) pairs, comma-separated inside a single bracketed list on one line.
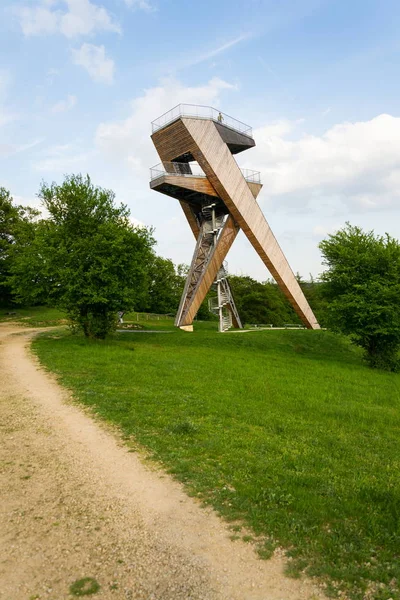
[(362, 286)]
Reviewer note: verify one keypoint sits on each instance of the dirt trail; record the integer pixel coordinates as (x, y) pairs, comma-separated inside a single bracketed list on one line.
[(75, 503)]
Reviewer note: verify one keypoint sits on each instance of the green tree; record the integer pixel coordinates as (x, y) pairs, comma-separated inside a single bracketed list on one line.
[(312, 290), (16, 226), (166, 286), (86, 257), (261, 303), (362, 287), (167, 282)]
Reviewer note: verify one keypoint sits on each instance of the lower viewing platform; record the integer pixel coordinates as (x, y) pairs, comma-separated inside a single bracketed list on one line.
[(187, 182), (186, 169)]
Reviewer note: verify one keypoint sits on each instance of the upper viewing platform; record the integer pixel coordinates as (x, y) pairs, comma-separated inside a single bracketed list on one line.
[(195, 111), (237, 135)]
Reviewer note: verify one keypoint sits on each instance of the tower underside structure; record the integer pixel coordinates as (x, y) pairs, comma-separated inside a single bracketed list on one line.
[(196, 146)]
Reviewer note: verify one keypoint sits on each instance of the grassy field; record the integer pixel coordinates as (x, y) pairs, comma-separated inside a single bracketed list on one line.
[(42, 316), (284, 432), (35, 316)]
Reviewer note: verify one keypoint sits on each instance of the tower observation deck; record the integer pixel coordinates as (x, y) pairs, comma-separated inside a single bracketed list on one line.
[(196, 145)]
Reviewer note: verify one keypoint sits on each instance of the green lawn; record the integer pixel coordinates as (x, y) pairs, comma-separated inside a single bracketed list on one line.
[(286, 432), (42, 316), (34, 316)]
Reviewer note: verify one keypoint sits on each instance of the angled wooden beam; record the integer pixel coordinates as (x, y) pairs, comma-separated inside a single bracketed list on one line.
[(190, 305), (191, 218)]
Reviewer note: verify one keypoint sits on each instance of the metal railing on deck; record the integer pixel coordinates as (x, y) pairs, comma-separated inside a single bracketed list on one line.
[(200, 112), (251, 176), (193, 169)]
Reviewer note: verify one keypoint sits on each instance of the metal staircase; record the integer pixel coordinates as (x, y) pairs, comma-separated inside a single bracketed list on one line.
[(223, 303), (211, 223)]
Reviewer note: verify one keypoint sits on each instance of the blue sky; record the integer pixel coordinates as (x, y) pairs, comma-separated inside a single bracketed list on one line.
[(81, 80)]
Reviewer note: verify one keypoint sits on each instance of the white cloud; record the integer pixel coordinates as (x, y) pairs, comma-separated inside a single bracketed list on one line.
[(141, 4), (64, 105), (83, 18), (274, 131), (93, 59), (128, 140), (62, 159), (352, 165), (71, 18), (38, 20)]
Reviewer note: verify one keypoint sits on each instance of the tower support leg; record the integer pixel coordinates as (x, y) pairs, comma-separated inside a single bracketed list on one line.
[(207, 260)]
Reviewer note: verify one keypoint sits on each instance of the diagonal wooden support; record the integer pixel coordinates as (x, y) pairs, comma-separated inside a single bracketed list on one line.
[(255, 189), (191, 219), (190, 305)]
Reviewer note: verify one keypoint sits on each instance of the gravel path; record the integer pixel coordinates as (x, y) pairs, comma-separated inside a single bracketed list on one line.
[(75, 503)]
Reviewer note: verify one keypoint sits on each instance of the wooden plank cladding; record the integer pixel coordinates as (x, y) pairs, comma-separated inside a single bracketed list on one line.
[(196, 184), (255, 188), (206, 142), (201, 185)]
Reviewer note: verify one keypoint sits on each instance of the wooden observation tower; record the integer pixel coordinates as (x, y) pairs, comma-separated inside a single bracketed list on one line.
[(196, 145)]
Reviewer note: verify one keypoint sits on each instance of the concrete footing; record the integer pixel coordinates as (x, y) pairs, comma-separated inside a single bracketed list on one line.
[(186, 328)]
